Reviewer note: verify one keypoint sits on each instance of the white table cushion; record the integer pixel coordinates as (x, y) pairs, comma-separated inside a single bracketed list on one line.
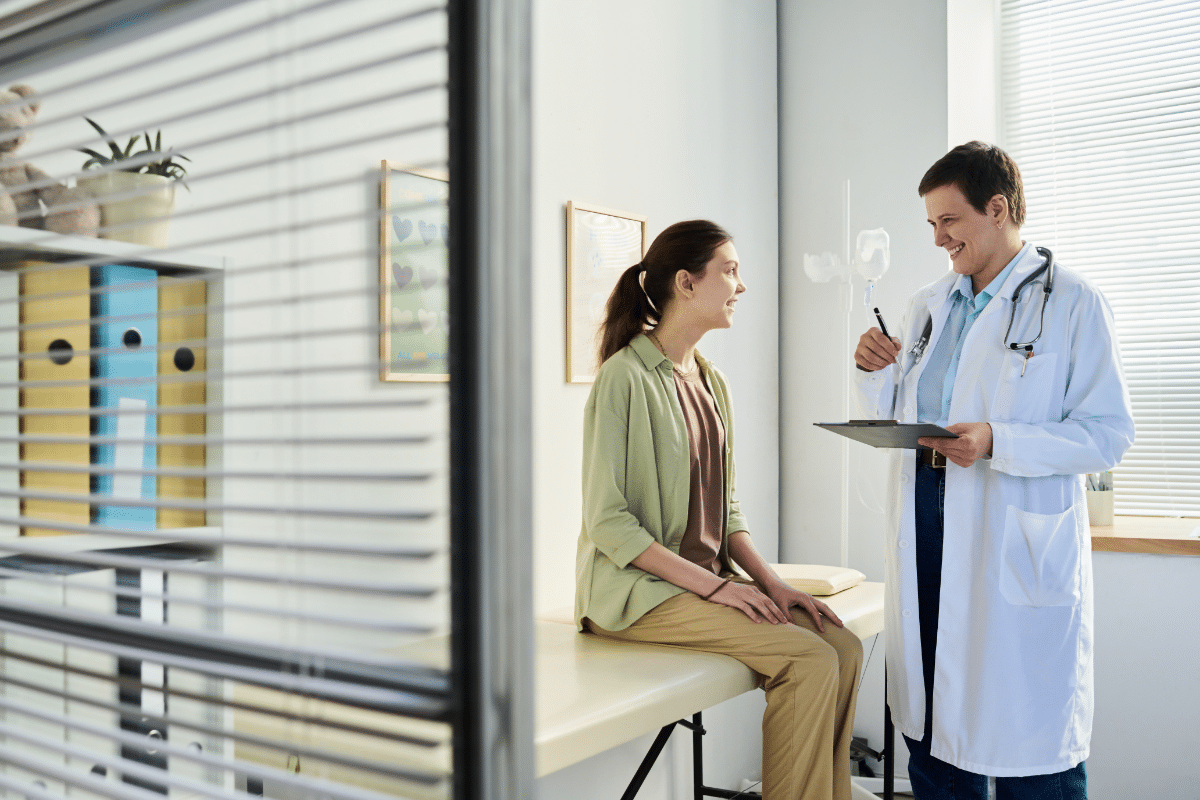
[(593, 694)]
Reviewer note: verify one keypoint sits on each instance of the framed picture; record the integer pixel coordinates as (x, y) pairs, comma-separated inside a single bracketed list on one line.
[(413, 274), (601, 244)]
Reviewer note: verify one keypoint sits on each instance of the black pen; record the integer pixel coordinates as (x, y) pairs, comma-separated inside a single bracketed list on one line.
[(882, 327)]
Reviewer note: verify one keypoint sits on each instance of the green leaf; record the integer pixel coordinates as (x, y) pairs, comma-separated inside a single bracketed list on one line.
[(158, 162), (112, 145)]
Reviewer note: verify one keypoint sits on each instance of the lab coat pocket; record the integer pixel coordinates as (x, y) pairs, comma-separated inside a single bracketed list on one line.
[(1040, 558), (1024, 389)]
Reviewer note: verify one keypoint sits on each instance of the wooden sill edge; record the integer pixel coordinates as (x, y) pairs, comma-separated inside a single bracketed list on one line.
[(1155, 535)]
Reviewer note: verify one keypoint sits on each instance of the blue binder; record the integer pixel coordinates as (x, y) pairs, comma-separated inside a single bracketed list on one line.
[(132, 339)]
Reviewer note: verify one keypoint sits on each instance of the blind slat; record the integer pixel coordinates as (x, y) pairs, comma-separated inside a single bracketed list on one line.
[(224, 506), (1101, 108)]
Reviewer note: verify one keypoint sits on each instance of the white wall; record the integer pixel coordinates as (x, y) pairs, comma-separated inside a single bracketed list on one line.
[(665, 109), (672, 117), (1147, 651), (863, 98)]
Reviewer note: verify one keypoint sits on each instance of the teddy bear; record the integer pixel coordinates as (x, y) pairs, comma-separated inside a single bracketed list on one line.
[(28, 196)]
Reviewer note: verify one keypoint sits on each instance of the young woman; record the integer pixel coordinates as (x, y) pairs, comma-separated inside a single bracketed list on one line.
[(662, 529)]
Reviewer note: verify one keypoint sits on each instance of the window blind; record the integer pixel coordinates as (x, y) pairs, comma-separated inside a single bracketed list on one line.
[(1100, 106), (263, 468)]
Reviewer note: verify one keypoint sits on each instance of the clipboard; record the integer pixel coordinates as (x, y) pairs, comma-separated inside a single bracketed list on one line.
[(886, 432)]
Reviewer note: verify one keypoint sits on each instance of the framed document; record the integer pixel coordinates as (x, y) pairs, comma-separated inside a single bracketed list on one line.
[(601, 244), (414, 238)]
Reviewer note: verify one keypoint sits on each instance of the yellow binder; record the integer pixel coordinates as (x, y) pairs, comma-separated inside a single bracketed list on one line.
[(57, 349), (182, 308)]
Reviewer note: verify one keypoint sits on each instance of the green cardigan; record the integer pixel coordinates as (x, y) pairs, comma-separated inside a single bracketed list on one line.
[(636, 482)]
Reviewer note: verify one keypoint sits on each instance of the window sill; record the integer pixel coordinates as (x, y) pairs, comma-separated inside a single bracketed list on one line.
[(1159, 535)]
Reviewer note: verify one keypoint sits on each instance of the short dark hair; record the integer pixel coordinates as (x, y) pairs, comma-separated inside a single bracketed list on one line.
[(980, 171)]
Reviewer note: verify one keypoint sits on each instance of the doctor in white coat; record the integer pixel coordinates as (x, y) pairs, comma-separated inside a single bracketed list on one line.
[(989, 574)]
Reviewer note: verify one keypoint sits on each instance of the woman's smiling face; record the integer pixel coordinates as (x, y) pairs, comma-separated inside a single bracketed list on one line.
[(716, 292)]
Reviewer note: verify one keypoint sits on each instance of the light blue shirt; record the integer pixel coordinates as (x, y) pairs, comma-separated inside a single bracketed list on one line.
[(936, 386)]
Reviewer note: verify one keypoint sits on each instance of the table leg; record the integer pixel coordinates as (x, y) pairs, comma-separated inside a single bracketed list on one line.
[(889, 744), (643, 769)]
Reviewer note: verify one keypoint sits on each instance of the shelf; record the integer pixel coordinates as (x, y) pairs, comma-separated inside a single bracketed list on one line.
[(28, 244), (1158, 535), (51, 554), (79, 542)]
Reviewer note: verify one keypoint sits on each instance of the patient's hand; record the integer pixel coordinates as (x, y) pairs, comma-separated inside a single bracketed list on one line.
[(786, 596), (751, 602)]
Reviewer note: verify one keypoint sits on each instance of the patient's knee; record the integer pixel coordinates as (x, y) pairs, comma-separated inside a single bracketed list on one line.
[(850, 652), (818, 664)]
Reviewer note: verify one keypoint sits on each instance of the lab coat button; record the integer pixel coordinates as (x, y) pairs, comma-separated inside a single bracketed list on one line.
[(908, 410), (903, 543), (907, 613)]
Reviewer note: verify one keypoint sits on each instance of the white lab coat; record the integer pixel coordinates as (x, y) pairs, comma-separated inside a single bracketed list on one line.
[(1012, 692)]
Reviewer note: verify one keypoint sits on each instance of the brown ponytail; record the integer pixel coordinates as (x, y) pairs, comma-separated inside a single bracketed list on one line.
[(637, 302)]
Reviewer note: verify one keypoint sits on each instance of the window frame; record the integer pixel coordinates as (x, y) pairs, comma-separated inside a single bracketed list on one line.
[(973, 112)]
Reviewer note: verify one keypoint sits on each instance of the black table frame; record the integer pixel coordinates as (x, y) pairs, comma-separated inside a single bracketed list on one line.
[(700, 791)]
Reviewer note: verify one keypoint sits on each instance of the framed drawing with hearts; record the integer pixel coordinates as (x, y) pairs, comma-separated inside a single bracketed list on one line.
[(601, 244), (413, 274)]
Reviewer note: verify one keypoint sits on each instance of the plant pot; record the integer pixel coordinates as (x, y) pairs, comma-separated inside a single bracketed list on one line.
[(154, 205)]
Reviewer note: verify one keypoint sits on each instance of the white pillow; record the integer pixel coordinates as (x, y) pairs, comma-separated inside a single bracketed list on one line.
[(818, 579)]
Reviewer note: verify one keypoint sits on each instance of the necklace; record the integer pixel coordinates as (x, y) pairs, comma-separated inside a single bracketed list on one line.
[(682, 372)]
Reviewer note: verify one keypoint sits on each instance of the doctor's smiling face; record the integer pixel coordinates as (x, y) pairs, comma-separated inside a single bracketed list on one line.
[(980, 244)]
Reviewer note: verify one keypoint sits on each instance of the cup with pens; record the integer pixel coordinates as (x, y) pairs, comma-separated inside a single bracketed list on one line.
[(1100, 498)]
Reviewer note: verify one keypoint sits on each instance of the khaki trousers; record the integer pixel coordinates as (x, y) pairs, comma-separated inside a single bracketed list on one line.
[(811, 681)]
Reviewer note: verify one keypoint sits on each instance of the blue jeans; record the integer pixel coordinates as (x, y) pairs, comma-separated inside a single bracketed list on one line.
[(933, 779)]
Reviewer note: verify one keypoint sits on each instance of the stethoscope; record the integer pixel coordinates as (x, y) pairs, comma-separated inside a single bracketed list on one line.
[(1047, 268)]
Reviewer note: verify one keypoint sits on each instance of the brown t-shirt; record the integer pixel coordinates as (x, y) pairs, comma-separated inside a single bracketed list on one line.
[(706, 439)]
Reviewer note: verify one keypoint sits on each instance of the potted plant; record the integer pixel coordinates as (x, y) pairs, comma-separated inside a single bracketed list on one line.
[(149, 183)]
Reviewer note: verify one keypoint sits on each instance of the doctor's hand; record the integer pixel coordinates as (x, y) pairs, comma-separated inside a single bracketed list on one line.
[(973, 443), (786, 596), (875, 351)]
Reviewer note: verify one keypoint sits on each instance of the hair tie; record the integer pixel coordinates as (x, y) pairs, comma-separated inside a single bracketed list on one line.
[(642, 283)]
